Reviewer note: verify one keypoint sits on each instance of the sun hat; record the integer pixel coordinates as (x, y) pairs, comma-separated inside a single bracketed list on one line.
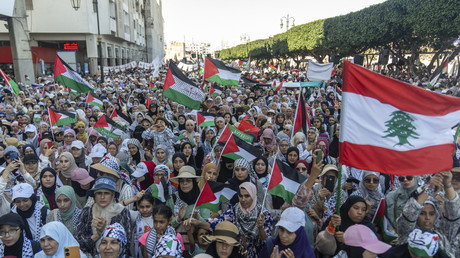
[(143, 168), (327, 168), (98, 151), (22, 190), (292, 219), (185, 172), (362, 236), (423, 244), (77, 144), (81, 176), (104, 182), (101, 167), (225, 232), (12, 141)]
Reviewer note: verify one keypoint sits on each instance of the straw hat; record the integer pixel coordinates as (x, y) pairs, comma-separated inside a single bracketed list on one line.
[(102, 168), (185, 172), (225, 232)]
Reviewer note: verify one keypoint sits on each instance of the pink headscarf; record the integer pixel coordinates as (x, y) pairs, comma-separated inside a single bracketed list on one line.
[(268, 133), (251, 188)]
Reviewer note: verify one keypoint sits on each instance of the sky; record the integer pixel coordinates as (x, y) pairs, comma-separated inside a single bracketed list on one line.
[(223, 23)]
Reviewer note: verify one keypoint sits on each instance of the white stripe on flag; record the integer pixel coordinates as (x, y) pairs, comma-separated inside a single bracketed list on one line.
[(370, 131), (225, 74), (290, 185)]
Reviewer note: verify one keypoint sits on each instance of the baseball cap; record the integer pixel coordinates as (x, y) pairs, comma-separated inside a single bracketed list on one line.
[(30, 158), (423, 244), (77, 144), (141, 169), (98, 151), (292, 219), (22, 190), (30, 129), (81, 176), (362, 236)]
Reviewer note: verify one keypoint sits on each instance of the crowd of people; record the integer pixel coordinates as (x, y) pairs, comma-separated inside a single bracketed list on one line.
[(74, 191)]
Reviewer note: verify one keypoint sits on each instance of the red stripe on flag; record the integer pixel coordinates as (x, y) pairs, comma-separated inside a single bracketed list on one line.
[(422, 161), (206, 195), (403, 96), (276, 178)]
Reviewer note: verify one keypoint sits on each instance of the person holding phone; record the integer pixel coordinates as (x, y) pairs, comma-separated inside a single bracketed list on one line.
[(57, 241), (14, 170)]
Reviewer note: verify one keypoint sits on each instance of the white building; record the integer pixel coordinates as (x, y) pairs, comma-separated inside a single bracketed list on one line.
[(131, 30), (197, 50)]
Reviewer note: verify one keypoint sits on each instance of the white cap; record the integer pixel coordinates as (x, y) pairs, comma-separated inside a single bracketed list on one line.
[(98, 151), (141, 169), (77, 144), (229, 99), (292, 219), (22, 190), (30, 129)]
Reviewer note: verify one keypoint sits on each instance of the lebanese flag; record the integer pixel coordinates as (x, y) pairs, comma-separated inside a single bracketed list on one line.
[(393, 127), (214, 193), (181, 89), (69, 78), (91, 100), (217, 71), (284, 181), (205, 119), (235, 148), (12, 84), (59, 118), (246, 127), (301, 120)]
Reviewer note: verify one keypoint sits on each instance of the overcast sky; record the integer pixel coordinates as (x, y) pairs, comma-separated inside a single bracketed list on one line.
[(224, 22)]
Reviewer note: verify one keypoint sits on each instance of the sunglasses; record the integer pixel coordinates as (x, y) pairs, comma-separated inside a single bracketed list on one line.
[(372, 180), (403, 178)]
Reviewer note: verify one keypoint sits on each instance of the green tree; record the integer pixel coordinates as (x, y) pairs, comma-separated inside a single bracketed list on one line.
[(400, 125)]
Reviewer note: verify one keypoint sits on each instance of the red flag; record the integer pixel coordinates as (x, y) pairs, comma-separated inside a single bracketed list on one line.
[(301, 120), (246, 127), (206, 196), (148, 102)]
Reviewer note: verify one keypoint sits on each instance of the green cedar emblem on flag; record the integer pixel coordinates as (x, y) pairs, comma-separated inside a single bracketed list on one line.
[(400, 125)]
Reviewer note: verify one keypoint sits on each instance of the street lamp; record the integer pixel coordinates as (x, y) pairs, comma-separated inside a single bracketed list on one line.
[(287, 18), (76, 6)]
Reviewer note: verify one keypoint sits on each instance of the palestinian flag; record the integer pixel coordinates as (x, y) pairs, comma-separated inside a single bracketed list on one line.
[(59, 118), (10, 83), (205, 119), (217, 71), (120, 102), (91, 100), (395, 126), (381, 222), (45, 93), (213, 194), (118, 114), (159, 190), (182, 136), (69, 78), (148, 102), (440, 70), (215, 90), (301, 120), (37, 117), (106, 126), (71, 91), (181, 89), (229, 130), (284, 181), (235, 148), (153, 86), (272, 67), (277, 88), (247, 127)]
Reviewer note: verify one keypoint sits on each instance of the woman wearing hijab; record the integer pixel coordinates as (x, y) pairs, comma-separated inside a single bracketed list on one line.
[(292, 240), (136, 151), (80, 129), (67, 211), (207, 144), (194, 160), (423, 212), (66, 166), (352, 212), (69, 137), (179, 160), (369, 189), (268, 141), (144, 174), (47, 189), (91, 140), (78, 152), (292, 156), (113, 242), (14, 240), (112, 148), (161, 156), (242, 172), (32, 135), (54, 238), (103, 212), (246, 216), (32, 212), (181, 119), (47, 155), (182, 202)]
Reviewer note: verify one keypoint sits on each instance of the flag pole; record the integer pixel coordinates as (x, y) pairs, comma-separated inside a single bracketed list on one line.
[(220, 157), (266, 191), (194, 206), (339, 191), (297, 108)]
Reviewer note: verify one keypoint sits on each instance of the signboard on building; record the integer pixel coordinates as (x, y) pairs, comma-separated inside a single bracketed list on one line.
[(71, 46)]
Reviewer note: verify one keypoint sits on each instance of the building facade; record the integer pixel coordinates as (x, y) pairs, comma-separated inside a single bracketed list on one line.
[(175, 50), (131, 30)]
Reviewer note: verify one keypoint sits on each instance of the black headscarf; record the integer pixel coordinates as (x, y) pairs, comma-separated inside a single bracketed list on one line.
[(291, 149), (181, 127), (181, 156), (190, 197), (52, 189), (225, 174), (14, 220), (346, 221), (27, 214), (80, 161), (266, 166), (78, 190)]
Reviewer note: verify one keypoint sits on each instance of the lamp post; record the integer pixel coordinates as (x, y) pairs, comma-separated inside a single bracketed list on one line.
[(287, 18), (76, 6)]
